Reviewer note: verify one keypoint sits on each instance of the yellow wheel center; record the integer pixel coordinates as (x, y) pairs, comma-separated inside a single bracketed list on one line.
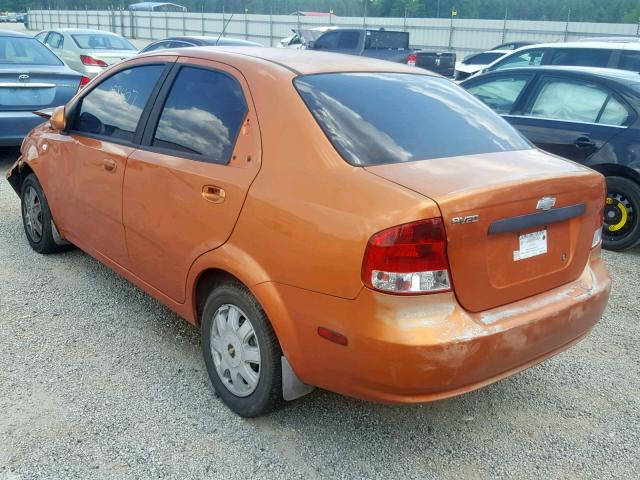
[(623, 215)]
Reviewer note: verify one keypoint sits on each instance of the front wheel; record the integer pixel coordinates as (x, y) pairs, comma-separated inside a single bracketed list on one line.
[(621, 228), (241, 351), (36, 217)]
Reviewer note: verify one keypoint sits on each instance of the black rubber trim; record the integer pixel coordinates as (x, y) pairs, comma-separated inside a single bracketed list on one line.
[(531, 220)]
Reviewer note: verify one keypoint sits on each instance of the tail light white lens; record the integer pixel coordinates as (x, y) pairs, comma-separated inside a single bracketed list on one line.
[(94, 62), (83, 81), (408, 259), (597, 235), (411, 59)]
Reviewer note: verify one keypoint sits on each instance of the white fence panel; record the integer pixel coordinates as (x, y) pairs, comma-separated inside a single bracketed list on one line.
[(460, 35)]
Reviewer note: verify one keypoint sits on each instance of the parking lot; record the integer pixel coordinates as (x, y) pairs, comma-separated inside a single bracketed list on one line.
[(98, 380)]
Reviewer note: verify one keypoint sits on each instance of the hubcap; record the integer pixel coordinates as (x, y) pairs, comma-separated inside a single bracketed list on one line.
[(235, 350), (32, 211), (619, 215)]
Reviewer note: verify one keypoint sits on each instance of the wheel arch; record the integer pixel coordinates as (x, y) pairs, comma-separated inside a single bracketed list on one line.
[(615, 170)]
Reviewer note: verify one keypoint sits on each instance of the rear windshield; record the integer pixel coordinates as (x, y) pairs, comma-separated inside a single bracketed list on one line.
[(375, 118), (97, 41), (25, 51), (383, 40)]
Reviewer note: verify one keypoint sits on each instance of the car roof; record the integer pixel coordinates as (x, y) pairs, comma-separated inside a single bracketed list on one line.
[(590, 44), (620, 76), (9, 33), (81, 31), (211, 39), (300, 62)]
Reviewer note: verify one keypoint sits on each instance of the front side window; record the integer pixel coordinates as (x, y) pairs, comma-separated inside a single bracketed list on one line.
[(101, 41), (575, 101), (523, 59), (113, 109), (202, 115), (500, 93), (581, 57), (25, 51), (377, 118)]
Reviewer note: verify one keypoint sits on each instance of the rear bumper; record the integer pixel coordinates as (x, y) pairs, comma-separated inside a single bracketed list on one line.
[(14, 126), (425, 348)]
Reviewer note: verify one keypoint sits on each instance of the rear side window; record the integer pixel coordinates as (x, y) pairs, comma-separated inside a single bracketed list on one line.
[(630, 60), (114, 107), (522, 59), (583, 57), (484, 58), (376, 118), (55, 40), (202, 115), (574, 101), (328, 41), (500, 93)]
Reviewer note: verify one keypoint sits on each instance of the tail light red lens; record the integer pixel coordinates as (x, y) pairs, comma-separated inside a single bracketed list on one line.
[(83, 81), (411, 59), (408, 259), (94, 62)]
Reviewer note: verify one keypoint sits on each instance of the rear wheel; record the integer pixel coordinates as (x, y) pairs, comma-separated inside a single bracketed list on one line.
[(36, 217), (241, 351), (621, 214)]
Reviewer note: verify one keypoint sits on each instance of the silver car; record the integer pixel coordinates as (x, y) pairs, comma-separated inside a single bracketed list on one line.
[(87, 51)]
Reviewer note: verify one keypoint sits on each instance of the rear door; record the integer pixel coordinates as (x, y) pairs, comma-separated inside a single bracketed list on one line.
[(571, 117), (185, 187)]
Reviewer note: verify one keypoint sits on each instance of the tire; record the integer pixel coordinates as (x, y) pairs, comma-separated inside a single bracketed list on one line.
[(36, 217), (621, 214), (230, 347)]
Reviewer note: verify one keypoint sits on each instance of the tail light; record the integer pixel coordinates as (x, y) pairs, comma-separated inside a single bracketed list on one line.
[(408, 259), (411, 59), (83, 81), (94, 62)]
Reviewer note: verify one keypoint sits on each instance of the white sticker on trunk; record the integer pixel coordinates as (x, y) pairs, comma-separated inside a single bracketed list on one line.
[(531, 245)]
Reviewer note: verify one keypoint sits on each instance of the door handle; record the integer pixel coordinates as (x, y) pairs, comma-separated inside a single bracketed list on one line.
[(109, 165), (584, 142), (213, 194)]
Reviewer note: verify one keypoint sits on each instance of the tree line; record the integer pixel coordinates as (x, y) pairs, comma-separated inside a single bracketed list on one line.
[(614, 11)]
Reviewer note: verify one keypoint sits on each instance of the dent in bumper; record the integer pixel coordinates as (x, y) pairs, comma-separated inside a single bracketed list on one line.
[(423, 348)]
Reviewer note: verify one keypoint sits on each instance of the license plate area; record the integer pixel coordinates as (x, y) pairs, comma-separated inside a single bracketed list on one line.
[(531, 244)]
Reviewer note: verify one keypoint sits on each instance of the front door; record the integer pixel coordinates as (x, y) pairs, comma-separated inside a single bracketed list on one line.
[(185, 187), (93, 158)]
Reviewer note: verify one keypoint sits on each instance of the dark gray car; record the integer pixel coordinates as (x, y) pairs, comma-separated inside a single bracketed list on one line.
[(179, 42), (31, 78)]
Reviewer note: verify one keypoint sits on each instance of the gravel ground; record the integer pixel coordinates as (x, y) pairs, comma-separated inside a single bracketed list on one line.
[(98, 380)]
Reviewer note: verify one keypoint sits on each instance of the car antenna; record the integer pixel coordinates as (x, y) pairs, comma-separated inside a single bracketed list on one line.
[(224, 28)]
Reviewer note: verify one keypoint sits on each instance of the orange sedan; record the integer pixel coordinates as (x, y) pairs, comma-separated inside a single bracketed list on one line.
[(330, 221)]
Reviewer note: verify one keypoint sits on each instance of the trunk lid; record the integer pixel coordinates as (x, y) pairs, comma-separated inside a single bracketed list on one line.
[(30, 88), (488, 254), (110, 56)]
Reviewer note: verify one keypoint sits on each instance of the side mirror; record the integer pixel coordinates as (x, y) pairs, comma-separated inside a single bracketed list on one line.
[(58, 119), (311, 44)]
